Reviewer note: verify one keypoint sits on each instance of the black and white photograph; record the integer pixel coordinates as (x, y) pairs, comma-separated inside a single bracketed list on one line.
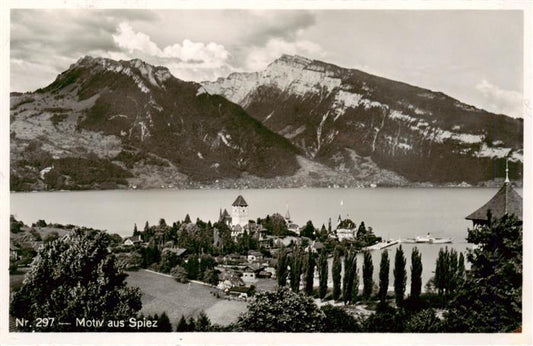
[(329, 172)]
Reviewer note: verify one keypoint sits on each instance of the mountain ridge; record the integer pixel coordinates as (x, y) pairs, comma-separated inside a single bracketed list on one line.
[(127, 124), (319, 105)]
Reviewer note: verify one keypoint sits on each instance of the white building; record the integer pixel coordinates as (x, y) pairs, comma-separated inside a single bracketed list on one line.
[(239, 212)]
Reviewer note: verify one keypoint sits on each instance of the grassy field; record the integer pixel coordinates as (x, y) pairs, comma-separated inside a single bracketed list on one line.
[(161, 293)]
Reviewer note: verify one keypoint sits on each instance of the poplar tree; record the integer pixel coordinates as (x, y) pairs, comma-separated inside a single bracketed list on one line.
[(336, 274), (282, 270), (347, 282), (296, 269), (400, 276), (461, 268), (368, 270), (416, 273), (384, 266), (355, 279), (323, 273), (309, 272), (452, 277)]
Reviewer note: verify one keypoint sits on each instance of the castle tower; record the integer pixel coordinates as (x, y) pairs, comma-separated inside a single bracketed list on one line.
[(239, 212)]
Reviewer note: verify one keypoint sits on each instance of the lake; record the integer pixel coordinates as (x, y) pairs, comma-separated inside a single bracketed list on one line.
[(391, 212)]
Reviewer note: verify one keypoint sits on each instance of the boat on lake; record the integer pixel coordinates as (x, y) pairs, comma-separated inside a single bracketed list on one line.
[(423, 239), (440, 240), (428, 239)]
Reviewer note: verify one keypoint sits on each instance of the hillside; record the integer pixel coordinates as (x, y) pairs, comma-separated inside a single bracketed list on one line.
[(338, 116), (105, 124), (109, 124)]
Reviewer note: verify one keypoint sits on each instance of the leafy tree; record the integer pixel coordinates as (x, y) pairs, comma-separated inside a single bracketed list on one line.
[(191, 325), (75, 278), (361, 231), (368, 270), (169, 260), (187, 219), (203, 324), (490, 300), (135, 230), (308, 230), (400, 275), (193, 267), (182, 326), (40, 223), (179, 274), (211, 277), (281, 311), (309, 272), (386, 320), (323, 274), (337, 320), (163, 323), (323, 234), (146, 227), (151, 255), (416, 274), (16, 226), (51, 237), (336, 274), (282, 270), (384, 276)]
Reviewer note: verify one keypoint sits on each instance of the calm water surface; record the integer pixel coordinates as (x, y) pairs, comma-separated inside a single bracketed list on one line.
[(391, 212)]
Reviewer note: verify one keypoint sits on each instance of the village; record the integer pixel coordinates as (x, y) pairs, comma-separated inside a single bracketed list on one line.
[(221, 267)]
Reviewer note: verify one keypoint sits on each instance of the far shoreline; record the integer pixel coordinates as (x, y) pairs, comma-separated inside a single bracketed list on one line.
[(494, 185)]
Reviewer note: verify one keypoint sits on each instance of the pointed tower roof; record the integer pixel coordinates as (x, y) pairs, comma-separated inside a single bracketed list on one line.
[(505, 201), (288, 215), (240, 202)]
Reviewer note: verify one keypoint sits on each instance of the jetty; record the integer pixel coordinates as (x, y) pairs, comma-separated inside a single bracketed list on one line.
[(381, 245)]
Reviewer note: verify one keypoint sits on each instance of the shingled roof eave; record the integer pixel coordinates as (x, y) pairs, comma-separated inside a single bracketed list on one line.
[(512, 204)]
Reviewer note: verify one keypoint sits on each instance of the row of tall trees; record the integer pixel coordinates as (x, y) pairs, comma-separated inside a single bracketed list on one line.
[(346, 287)]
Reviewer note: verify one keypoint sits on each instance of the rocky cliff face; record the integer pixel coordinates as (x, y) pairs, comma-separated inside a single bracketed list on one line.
[(105, 123), (338, 117), (112, 124)]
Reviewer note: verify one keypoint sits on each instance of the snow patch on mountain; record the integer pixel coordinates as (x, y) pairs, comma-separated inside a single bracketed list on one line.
[(344, 100), (499, 152)]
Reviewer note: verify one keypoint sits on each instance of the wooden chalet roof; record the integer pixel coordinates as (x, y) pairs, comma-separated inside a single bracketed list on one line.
[(505, 201), (240, 202)]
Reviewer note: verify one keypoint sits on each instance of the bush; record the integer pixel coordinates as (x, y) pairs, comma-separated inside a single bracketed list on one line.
[(179, 274), (338, 320), (281, 311), (425, 321)]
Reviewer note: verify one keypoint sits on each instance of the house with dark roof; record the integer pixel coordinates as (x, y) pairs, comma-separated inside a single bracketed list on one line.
[(177, 251), (505, 202), (130, 241)]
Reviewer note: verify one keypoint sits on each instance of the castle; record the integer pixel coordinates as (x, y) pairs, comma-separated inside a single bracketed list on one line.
[(239, 214)]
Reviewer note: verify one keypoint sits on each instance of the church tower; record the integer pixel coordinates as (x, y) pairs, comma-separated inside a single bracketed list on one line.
[(239, 212)]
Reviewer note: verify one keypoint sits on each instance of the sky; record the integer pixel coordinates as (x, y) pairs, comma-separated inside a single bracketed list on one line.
[(475, 56)]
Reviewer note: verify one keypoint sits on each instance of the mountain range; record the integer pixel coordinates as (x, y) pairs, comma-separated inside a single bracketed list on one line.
[(300, 122)]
